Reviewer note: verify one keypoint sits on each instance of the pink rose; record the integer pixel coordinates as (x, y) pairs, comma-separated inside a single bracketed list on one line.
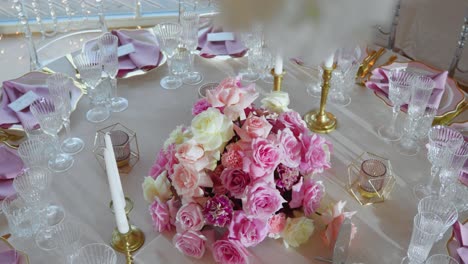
[(262, 201), (187, 181), (297, 194), (316, 152), (190, 243), (235, 181), (233, 99), (290, 147), (293, 121), (160, 215), (200, 106), (276, 224), (173, 205), (307, 194), (190, 217), (193, 154), (232, 158), (263, 159), (230, 252), (253, 127), (334, 218), (248, 231), (159, 165)]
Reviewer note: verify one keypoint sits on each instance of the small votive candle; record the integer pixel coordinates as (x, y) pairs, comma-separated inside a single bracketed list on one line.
[(121, 146), (372, 170)]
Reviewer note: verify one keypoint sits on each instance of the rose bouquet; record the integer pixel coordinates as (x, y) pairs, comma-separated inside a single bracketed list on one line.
[(242, 171)]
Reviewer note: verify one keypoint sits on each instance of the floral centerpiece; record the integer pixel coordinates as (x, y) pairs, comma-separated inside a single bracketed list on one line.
[(242, 171)]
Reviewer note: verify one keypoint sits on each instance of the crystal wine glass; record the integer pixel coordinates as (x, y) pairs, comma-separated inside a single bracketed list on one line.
[(95, 254), (457, 193), (21, 216), (343, 80), (59, 87), (89, 64), (456, 160), (400, 83), (314, 87), (441, 259), (441, 140), (31, 152), (253, 41), (49, 116), (168, 35), (190, 22), (444, 209), (62, 239), (108, 45), (33, 185)]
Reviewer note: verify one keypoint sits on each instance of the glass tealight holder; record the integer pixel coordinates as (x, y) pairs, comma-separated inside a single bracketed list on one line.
[(124, 143), (370, 178)]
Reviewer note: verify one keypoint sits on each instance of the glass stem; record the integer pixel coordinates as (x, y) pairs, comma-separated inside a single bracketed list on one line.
[(395, 111), (113, 82), (434, 172), (192, 61), (66, 124), (169, 66), (249, 62)]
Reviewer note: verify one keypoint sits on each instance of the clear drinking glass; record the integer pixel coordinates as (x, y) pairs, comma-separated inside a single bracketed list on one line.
[(190, 22), (426, 229), (441, 140), (457, 193), (456, 160), (22, 217), (441, 259), (253, 41), (108, 45), (62, 240), (408, 144), (425, 123), (96, 253), (89, 64), (181, 62), (444, 209), (168, 35), (59, 88), (420, 94), (314, 88), (346, 78), (48, 113), (31, 152), (33, 185), (400, 83)]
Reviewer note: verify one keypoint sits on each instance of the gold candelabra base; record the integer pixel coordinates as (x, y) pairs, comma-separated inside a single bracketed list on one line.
[(277, 80), (320, 123), (134, 238)]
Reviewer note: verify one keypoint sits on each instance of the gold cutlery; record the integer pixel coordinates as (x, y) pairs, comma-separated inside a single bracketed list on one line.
[(447, 118), (5, 138), (372, 61), (364, 63)]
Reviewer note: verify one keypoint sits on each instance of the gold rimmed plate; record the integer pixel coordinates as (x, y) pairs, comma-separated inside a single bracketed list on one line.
[(38, 79), (21, 257)]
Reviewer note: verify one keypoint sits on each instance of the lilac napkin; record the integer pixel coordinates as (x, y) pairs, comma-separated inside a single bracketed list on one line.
[(379, 83), (458, 246), (147, 54), (210, 49), (9, 257), (10, 163)]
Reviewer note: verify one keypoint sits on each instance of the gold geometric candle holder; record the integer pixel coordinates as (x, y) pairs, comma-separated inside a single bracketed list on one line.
[(370, 178), (125, 145)]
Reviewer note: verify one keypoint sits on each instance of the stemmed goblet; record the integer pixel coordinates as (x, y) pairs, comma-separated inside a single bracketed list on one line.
[(21, 216), (49, 115), (108, 45), (190, 22), (441, 140), (441, 259), (253, 41), (31, 152), (456, 160), (168, 35), (33, 185), (400, 83), (62, 239), (89, 64), (59, 88), (444, 209), (95, 254)]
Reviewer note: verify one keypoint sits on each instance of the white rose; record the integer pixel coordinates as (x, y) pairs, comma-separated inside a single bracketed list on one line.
[(178, 136), (276, 102), (297, 231), (212, 129), (159, 187)]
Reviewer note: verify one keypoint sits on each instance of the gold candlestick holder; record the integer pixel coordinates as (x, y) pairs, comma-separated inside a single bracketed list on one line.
[(133, 240), (320, 121), (128, 253), (277, 80)]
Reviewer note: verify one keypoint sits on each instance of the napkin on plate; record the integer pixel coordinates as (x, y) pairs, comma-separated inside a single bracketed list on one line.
[(10, 167), (210, 49), (12, 90), (147, 54), (9, 257), (379, 83), (458, 246)]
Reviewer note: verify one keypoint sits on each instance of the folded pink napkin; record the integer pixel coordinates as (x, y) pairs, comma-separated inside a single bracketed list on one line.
[(379, 83), (210, 49), (14, 89), (9, 257), (10, 163), (458, 246), (147, 54)]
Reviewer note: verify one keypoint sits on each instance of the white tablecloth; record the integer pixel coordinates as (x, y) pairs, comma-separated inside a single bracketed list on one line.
[(384, 229)]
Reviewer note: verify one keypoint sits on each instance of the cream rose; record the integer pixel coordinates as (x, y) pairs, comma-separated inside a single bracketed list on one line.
[(178, 136), (276, 102), (193, 154), (212, 129), (297, 231), (159, 187)]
